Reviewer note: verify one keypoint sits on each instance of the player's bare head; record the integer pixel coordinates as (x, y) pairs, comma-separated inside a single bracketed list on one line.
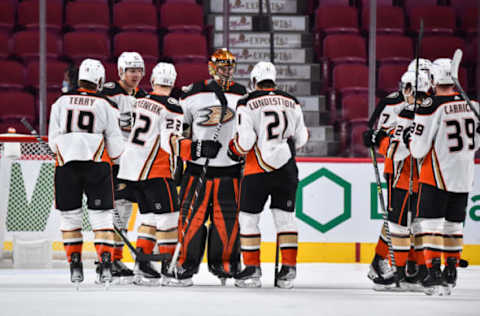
[(263, 75), (163, 76), (91, 74), (442, 73), (131, 68), (410, 86), (221, 67)]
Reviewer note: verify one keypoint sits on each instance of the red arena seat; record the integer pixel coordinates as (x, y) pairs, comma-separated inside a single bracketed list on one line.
[(86, 15), (80, 45), (135, 16)]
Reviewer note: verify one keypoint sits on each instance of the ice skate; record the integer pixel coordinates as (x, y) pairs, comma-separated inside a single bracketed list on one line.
[(104, 270), (381, 274), (145, 274), (180, 277), (121, 274), (249, 277), (450, 273), (434, 283), (76, 269), (285, 277), (219, 270)]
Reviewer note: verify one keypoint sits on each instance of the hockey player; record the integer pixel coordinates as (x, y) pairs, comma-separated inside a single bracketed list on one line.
[(83, 127), (147, 167), (124, 93), (217, 200), (269, 129), (445, 138)]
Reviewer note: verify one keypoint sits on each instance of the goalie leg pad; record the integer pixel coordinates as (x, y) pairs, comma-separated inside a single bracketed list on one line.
[(71, 220)]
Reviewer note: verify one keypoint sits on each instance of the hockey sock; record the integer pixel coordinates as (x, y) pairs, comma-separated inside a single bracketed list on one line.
[(72, 242), (400, 242), (146, 238), (118, 247), (250, 246), (288, 242), (167, 232), (382, 247), (430, 238), (452, 240), (103, 242), (411, 252)]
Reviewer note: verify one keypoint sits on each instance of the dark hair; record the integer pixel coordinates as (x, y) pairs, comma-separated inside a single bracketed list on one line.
[(87, 85), (266, 84), (72, 76)]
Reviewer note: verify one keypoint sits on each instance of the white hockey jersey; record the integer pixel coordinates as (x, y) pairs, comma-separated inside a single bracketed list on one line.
[(125, 103), (265, 120), (202, 110), (390, 107), (84, 126), (151, 148), (445, 138)]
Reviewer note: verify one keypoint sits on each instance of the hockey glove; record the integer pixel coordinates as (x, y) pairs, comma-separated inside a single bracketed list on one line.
[(205, 149), (373, 137), (291, 145), (407, 134), (232, 154), (178, 174)]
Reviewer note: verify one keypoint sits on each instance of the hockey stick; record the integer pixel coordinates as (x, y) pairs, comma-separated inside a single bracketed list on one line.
[(277, 250), (138, 255), (457, 58), (201, 179), (415, 105), (384, 215)]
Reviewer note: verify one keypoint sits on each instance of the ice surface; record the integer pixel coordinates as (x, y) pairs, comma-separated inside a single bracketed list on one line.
[(320, 289)]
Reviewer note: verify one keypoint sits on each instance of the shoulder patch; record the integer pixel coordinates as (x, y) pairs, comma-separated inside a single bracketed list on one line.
[(393, 95), (109, 85), (173, 101), (427, 102)]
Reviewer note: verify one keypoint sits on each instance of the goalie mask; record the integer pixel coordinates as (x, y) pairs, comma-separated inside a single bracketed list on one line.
[(407, 84), (222, 67), (92, 70), (262, 71), (442, 72), (129, 60), (163, 74)]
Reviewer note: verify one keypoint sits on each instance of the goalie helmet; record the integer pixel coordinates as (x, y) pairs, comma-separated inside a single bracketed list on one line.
[(408, 83), (442, 72), (263, 70), (221, 67), (129, 60), (163, 74), (423, 64), (92, 70)]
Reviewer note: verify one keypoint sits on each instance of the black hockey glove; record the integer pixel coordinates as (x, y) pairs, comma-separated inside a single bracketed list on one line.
[(291, 145), (232, 154), (373, 137), (205, 149), (407, 134)]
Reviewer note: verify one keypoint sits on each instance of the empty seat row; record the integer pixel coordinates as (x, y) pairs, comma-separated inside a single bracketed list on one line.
[(95, 15), (81, 44)]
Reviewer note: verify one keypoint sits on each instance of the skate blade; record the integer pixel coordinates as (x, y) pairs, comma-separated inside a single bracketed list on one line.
[(122, 280), (143, 281), (437, 290), (171, 282), (76, 283), (389, 288), (107, 284), (223, 281), (284, 284), (249, 283)]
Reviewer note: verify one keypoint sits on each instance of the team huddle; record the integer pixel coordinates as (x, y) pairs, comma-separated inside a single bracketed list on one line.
[(228, 150), (428, 134)]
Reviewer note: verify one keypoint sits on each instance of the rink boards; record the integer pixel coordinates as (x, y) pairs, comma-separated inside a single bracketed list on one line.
[(337, 210)]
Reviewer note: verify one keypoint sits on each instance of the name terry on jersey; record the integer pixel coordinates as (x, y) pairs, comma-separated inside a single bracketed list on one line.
[(456, 107), (269, 100), (82, 101)]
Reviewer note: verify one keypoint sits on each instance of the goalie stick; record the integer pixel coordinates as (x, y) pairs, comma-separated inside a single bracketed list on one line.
[(138, 255), (203, 174), (457, 58)]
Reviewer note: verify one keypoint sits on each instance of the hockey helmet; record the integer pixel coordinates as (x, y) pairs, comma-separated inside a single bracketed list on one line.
[(423, 64), (263, 70), (408, 82), (221, 66), (129, 60), (92, 70), (441, 71), (163, 74)]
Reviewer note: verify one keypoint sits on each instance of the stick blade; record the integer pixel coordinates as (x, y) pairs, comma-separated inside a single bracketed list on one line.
[(457, 58)]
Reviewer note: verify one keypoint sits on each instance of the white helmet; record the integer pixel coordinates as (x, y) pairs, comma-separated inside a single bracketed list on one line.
[(129, 60), (163, 74), (442, 71), (263, 70), (408, 81), (92, 70), (423, 64)]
